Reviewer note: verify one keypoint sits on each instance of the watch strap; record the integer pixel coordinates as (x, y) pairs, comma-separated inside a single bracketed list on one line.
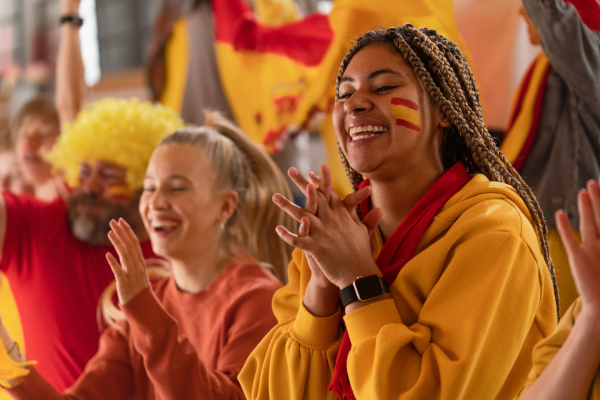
[(73, 19), (349, 295)]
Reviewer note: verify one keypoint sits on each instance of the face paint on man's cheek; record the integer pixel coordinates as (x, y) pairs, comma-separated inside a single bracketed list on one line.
[(120, 191), (406, 113)]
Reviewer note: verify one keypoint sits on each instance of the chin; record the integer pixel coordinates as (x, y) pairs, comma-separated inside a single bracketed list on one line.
[(89, 217)]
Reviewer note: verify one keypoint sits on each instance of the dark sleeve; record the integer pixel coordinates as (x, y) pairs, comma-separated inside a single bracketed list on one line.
[(572, 48)]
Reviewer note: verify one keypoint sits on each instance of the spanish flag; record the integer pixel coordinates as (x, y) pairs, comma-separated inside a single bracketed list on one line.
[(406, 113), (276, 77)]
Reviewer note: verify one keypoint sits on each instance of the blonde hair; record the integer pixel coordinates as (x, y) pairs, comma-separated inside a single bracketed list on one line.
[(123, 132), (240, 165), (442, 68)]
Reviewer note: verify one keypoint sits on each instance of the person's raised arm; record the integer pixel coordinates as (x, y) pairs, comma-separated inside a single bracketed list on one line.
[(571, 46), (572, 370), (70, 83)]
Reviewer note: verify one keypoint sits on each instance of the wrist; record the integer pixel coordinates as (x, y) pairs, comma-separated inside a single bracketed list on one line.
[(319, 301)]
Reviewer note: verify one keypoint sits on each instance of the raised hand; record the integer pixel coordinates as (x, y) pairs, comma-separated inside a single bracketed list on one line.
[(584, 257), (338, 241), (131, 274)]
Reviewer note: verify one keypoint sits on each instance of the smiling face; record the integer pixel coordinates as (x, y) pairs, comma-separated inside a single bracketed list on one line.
[(95, 202), (385, 122), (182, 206), (35, 136)]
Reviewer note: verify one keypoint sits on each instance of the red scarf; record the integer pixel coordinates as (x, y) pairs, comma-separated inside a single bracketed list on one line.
[(398, 250)]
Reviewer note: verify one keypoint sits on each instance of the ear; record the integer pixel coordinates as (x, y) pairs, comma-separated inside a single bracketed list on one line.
[(229, 201), (443, 121)]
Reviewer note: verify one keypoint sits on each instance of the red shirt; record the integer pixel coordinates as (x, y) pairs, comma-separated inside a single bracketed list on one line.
[(56, 280)]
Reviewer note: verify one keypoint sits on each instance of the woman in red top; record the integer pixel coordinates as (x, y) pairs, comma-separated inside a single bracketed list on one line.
[(205, 206)]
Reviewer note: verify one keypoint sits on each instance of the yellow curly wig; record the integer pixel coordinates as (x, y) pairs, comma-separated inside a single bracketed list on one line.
[(123, 132)]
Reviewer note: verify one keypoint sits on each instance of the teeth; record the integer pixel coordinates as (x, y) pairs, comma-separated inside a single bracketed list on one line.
[(366, 128), (359, 137), (163, 224)]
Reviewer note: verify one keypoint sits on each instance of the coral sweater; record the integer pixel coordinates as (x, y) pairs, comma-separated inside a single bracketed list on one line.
[(176, 345)]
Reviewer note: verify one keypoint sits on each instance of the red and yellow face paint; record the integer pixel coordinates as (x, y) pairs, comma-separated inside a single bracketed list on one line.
[(406, 113), (120, 191)]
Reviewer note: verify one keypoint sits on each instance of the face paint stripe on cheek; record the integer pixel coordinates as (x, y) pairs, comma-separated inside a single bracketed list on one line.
[(406, 113)]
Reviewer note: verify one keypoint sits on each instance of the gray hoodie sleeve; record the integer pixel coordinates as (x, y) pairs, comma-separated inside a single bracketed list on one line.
[(572, 48)]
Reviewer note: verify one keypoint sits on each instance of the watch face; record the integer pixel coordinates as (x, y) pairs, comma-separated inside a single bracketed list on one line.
[(368, 287)]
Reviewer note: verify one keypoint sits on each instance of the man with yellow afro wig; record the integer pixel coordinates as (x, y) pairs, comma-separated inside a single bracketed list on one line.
[(54, 253)]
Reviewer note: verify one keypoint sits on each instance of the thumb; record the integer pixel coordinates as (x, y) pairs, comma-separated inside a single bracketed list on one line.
[(371, 220)]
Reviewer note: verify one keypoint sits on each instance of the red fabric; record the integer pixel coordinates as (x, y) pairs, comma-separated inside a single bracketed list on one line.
[(589, 11), (537, 112), (398, 250), (535, 123), (57, 281), (305, 41)]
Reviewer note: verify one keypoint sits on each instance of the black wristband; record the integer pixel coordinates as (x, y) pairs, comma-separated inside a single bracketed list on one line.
[(364, 289), (73, 19)]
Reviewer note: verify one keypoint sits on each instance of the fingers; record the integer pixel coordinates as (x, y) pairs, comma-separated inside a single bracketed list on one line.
[(290, 208), (371, 220), (587, 223), (354, 198), (125, 247), (311, 199), (298, 179), (133, 240), (567, 235), (593, 190), (323, 182), (304, 228), (291, 239), (115, 267)]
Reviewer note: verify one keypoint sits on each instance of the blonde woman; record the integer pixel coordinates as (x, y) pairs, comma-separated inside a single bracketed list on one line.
[(188, 334)]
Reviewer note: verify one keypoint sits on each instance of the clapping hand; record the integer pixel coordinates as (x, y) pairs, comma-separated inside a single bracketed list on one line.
[(584, 257), (330, 232), (131, 274)]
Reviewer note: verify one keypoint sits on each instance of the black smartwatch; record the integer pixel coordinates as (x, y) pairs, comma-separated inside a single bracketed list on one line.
[(73, 19), (364, 289)]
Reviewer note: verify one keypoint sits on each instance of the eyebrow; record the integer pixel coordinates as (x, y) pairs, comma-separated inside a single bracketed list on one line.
[(171, 177), (372, 75)]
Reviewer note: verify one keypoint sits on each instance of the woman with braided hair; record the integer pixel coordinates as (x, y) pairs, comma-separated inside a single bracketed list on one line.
[(443, 273)]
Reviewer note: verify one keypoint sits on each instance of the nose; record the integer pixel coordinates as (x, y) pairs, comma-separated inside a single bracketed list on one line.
[(157, 200), (92, 184), (358, 102), (32, 140)]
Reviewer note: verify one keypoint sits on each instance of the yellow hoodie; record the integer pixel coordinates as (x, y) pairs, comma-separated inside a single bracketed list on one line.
[(466, 312)]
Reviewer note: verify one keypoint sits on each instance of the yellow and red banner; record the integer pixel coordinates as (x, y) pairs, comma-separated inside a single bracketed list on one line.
[(277, 77)]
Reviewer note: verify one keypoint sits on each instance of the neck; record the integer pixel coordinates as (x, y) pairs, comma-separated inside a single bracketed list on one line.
[(397, 196), (50, 189), (194, 274)]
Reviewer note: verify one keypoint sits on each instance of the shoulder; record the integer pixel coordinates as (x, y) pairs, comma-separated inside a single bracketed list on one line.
[(245, 278), (484, 205)]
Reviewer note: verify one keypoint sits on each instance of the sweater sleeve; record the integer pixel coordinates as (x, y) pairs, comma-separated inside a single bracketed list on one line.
[(572, 48), (297, 357), (107, 375), (171, 360), (474, 332)]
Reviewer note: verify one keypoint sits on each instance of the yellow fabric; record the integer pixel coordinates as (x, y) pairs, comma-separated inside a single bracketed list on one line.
[(515, 138), (546, 349), (256, 82), (176, 60), (564, 278), (276, 12), (466, 313), (12, 322)]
